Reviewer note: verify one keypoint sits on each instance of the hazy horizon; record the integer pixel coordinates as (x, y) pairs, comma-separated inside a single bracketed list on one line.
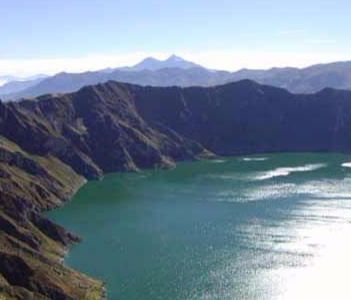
[(80, 62), (226, 35)]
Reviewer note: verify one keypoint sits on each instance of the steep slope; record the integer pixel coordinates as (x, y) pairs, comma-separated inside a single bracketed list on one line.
[(31, 247), (50, 145), (246, 117), (80, 128)]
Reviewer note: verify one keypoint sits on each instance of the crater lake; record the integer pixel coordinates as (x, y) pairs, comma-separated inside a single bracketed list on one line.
[(270, 226)]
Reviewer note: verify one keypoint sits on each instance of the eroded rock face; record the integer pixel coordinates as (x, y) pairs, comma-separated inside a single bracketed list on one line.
[(54, 231), (246, 117), (50, 145), (31, 246), (96, 130), (15, 270)]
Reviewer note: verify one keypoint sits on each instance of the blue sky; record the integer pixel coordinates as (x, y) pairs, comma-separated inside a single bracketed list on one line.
[(74, 35)]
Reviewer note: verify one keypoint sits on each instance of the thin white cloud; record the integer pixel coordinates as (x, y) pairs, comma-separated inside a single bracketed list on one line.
[(216, 59), (320, 41), (292, 32)]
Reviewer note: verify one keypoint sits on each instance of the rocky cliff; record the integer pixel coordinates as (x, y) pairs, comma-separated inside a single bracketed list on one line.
[(50, 145)]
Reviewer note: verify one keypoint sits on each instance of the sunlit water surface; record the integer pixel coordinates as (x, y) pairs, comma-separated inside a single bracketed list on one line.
[(257, 227)]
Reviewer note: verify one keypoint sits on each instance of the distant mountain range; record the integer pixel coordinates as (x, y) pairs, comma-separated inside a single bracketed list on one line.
[(12, 84), (175, 71), (4, 79)]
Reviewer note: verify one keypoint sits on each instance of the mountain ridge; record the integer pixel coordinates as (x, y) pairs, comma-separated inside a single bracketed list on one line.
[(307, 80)]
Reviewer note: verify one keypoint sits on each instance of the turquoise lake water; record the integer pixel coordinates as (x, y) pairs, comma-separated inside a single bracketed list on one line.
[(274, 226)]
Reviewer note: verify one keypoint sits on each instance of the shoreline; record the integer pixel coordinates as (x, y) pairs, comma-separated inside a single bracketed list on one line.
[(67, 249)]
